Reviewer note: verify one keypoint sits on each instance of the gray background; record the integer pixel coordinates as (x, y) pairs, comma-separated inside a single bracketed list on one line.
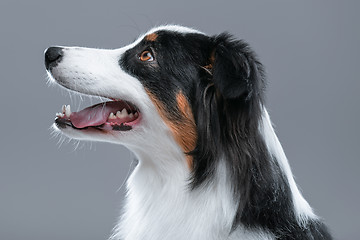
[(311, 53)]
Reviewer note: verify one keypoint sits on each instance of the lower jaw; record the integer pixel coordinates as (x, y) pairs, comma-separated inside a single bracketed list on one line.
[(106, 127)]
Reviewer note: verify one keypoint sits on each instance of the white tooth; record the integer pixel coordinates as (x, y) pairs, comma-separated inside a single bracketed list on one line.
[(112, 116), (118, 114), (63, 108), (131, 115), (136, 114), (124, 112), (121, 114), (67, 111), (60, 115)]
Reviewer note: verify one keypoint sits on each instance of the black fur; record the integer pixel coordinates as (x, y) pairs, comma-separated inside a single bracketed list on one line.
[(225, 83)]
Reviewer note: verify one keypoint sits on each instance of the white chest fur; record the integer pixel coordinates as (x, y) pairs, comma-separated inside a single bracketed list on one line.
[(165, 208)]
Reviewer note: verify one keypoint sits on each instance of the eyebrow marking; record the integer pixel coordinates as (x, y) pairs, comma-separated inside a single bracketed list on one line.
[(151, 37)]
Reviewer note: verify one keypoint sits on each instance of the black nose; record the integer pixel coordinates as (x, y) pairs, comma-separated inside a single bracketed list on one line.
[(53, 56)]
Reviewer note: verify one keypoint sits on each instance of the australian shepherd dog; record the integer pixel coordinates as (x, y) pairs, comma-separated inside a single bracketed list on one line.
[(191, 108)]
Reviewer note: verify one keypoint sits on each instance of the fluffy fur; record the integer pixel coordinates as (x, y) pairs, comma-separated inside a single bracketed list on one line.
[(210, 165)]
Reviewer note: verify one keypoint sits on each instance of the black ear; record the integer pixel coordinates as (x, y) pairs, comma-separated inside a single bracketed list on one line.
[(228, 112), (235, 68)]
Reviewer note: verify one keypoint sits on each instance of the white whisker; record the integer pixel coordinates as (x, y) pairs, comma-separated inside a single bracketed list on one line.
[(133, 164)]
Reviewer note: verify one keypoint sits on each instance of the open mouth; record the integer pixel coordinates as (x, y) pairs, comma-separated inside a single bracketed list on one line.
[(114, 115)]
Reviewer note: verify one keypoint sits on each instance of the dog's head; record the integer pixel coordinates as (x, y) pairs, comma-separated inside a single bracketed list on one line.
[(172, 85)]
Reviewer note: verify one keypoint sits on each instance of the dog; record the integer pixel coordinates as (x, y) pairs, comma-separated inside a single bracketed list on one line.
[(191, 108)]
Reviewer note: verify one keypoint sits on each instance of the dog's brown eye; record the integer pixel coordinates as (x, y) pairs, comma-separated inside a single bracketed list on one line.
[(146, 56)]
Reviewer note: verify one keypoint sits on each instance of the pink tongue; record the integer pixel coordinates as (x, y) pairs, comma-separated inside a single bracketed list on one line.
[(95, 115)]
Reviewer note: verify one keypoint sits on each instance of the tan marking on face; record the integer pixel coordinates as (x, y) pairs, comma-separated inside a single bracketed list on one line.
[(212, 57), (209, 67), (151, 37), (182, 129), (187, 130)]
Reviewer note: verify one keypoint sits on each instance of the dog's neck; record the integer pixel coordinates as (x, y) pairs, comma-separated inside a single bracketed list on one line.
[(161, 205)]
